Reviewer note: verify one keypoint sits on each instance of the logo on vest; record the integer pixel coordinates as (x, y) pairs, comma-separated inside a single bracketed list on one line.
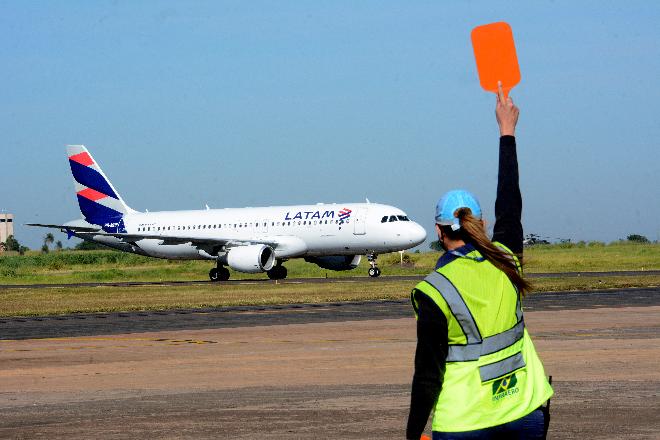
[(505, 387)]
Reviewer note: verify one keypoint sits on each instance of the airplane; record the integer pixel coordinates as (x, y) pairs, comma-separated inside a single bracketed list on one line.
[(250, 240)]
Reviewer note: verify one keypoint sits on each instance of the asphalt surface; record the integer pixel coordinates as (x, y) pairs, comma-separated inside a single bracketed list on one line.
[(249, 316), (235, 373), (317, 280)]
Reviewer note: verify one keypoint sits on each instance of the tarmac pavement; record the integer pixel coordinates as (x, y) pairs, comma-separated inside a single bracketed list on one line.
[(336, 372)]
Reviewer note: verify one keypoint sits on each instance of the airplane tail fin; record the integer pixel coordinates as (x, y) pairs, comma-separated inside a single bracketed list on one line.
[(99, 202)]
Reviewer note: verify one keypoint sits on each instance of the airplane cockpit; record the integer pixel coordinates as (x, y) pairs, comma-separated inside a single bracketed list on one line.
[(394, 218)]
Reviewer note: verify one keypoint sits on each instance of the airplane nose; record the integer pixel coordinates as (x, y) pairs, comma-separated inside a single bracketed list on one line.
[(417, 234)]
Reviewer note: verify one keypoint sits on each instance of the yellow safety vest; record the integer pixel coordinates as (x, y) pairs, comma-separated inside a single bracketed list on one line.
[(493, 374)]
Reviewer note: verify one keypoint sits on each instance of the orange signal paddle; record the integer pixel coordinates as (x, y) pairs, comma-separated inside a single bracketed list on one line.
[(496, 57), (425, 437)]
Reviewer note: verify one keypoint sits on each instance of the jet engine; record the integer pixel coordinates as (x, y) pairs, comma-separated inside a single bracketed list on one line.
[(336, 262), (250, 259)]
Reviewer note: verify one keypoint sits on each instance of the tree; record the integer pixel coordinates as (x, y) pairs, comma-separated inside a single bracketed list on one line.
[(48, 239), (435, 245), (13, 245), (44, 248), (58, 245), (637, 238)]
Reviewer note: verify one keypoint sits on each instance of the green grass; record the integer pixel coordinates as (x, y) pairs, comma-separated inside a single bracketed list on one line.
[(594, 257), (92, 266)]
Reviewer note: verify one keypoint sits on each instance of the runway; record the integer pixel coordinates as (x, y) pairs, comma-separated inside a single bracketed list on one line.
[(384, 278), (248, 316), (336, 371)]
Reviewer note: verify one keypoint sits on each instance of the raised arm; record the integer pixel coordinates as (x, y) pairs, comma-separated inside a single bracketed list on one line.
[(508, 204)]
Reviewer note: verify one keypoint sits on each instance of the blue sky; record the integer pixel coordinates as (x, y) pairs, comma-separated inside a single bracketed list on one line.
[(263, 103)]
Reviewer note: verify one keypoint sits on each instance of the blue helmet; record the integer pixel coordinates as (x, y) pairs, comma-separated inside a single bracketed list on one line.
[(450, 202)]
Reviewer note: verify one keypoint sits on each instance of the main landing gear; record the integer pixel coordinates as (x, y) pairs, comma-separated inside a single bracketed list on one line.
[(373, 270), (220, 273), (278, 272)]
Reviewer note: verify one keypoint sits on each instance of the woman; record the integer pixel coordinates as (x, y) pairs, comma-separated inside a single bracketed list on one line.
[(475, 364)]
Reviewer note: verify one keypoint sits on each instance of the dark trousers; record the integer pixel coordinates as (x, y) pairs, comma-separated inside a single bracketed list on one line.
[(530, 427)]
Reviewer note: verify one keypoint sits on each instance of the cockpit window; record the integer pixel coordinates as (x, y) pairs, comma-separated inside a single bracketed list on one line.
[(384, 219), (393, 218), (403, 218)]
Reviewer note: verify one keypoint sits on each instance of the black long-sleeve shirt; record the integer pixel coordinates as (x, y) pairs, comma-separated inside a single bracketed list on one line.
[(432, 333)]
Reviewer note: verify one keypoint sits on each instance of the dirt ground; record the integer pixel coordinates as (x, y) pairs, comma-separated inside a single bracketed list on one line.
[(339, 380)]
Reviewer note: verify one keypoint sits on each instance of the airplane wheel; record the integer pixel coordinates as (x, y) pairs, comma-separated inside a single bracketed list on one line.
[(374, 272), (277, 273), (223, 274), (219, 274)]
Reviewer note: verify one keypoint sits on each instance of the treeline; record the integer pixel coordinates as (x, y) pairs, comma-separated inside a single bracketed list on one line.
[(13, 245)]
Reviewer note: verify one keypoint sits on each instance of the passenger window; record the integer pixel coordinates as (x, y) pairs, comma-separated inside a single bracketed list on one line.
[(383, 220), (392, 218)]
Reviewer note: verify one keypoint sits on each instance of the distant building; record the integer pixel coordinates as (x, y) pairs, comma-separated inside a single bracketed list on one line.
[(6, 226)]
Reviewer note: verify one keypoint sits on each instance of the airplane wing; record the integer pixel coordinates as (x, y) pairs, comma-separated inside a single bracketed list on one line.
[(286, 245), (65, 227), (195, 241)]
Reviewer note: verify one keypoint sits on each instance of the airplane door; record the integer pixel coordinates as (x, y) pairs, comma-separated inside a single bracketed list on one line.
[(360, 222)]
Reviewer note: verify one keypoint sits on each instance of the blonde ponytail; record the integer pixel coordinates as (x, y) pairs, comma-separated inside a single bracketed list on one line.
[(472, 232)]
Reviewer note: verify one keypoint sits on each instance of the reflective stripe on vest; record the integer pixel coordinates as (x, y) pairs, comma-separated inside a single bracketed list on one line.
[(476, 346), (501, 368), (457, 306)]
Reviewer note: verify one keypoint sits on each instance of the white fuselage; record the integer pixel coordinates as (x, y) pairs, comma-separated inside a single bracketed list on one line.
[(300, 231)]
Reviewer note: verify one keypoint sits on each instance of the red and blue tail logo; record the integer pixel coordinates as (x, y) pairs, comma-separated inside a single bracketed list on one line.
[(99, 202)]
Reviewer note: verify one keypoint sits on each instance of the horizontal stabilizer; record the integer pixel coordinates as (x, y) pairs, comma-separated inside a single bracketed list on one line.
[(65, 227)]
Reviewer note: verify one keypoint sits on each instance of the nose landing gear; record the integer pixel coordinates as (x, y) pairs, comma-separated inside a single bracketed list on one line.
[(374, 271)]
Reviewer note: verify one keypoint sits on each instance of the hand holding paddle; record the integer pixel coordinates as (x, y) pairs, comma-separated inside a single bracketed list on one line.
[(506, 113)]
